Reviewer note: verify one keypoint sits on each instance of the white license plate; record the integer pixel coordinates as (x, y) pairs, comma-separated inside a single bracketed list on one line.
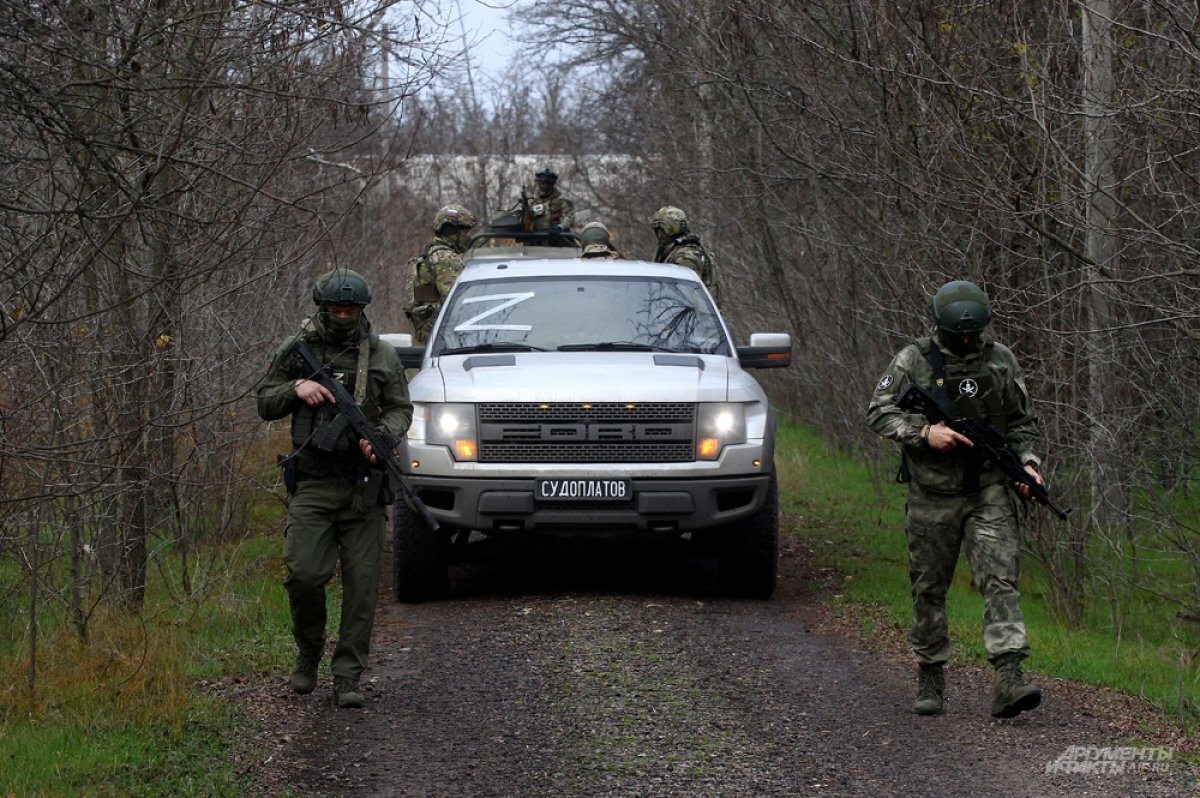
[(583, 490)]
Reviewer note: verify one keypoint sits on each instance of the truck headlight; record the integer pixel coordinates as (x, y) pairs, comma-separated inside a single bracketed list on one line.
[(718, 425), (453, 426)]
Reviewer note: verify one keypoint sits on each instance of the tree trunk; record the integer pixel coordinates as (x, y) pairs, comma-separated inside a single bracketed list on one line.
[(1110, 495)]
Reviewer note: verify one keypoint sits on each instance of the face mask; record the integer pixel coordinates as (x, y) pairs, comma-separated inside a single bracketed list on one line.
[(462, 238), (340, 328), (955, 343)]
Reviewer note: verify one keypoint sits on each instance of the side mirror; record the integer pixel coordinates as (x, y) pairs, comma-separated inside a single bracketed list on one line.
[(766, 351), (410, 356), (398, 340)]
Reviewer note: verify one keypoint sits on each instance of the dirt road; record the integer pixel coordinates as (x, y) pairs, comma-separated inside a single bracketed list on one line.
[(626, 675)]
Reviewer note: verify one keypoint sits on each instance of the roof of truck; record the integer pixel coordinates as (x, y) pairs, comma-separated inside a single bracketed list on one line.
[(542, 267)]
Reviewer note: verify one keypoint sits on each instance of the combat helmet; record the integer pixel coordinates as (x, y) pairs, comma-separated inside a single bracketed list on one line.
[(961, 307), (455, 216), (342, 287), (670, 220), (594, 233), (547, 175)]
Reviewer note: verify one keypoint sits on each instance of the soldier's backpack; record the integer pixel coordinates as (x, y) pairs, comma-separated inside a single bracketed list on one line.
[(421, 280)]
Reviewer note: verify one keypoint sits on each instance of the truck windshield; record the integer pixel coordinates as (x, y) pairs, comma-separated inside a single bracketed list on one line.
[(580, 313)]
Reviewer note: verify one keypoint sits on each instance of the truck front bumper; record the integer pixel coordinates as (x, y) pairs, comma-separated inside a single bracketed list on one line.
[(654, 505)]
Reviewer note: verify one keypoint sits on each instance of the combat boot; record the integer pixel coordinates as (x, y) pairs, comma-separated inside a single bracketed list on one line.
[(345, 692), (304, 675), (1011, 694), (931, 684)]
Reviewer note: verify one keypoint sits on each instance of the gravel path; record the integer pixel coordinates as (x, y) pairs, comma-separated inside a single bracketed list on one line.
[(626, 675)]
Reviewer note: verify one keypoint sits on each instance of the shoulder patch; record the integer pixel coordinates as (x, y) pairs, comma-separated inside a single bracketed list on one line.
[(885, 382)]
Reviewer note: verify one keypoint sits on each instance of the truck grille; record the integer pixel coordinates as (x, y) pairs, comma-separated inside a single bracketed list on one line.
[(587, 433)]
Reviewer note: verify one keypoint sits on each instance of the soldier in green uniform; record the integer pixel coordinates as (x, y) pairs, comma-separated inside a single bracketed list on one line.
[(597, 243), (679, 245), (433, 272), (955, 499), (551, 210), (337, 507)]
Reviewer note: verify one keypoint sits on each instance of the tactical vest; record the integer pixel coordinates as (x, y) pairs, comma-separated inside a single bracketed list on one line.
[(668, 248), (324, 443), (424, 280), (970, 389)]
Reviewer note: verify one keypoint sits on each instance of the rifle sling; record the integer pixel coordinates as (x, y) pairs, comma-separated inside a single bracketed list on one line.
[(937, 361), (973, 461), (361, 368)]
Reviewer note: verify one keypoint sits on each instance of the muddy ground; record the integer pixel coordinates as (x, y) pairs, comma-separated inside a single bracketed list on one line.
[(623, 673)]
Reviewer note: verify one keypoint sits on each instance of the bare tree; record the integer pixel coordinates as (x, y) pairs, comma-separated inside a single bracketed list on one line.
[(174, 176), (850, 157)]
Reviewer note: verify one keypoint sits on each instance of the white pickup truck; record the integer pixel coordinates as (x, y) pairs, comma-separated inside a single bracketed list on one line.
[(573, 397)]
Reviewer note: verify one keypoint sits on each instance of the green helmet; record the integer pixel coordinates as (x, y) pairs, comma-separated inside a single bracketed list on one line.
[(455, 216), (594, 233), (670, 220), (961, 307), (343, 287)]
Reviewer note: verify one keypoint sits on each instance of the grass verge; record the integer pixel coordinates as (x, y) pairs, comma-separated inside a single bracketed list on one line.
[(853, 522), (142, 707)]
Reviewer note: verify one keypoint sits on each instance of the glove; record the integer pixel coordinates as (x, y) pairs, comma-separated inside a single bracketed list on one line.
[(421, 312)]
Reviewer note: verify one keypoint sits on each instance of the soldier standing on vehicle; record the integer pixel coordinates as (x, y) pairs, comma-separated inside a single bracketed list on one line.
[(337, 498), (597, 243), (679, 245), (433, 272), (956, 500), (552, 212)]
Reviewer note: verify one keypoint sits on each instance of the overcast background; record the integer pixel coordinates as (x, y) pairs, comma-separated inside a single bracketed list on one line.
[(485, 26)]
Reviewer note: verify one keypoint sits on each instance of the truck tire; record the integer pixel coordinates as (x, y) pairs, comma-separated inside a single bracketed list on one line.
[(749, 553), (420, 557)]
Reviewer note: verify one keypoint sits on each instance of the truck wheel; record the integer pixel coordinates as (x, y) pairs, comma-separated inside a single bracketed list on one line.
[(749, 553), (420, 557)]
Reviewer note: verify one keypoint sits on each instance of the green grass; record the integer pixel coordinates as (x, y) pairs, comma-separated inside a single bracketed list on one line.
[(128, 713), (854, 522), (64, 758)]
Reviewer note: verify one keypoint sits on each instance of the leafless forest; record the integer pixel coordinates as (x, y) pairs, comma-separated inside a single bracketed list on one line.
[(174, 175)]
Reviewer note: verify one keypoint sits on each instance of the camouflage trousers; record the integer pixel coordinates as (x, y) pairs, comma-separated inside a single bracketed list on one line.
[(985, 529), (330, 521)]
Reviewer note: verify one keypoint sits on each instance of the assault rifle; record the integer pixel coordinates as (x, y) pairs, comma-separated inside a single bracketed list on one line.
[(526, 211), (986, 439), (383, 443)]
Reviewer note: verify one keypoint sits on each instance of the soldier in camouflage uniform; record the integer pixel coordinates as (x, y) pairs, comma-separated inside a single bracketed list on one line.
[(679, 245), (337, 506), (597, 244), (551, 210), (956, 500), (433, 272)]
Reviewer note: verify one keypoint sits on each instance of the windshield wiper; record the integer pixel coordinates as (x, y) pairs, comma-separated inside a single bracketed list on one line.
[(611, 346), (501, 346)]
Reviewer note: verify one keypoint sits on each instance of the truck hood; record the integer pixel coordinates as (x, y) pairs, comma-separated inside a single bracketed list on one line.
[(576, 377)]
